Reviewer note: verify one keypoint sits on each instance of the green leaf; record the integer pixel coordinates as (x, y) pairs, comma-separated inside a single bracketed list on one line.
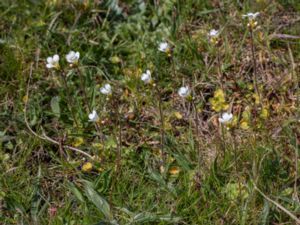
[(76, 192), (265, 213), (55, 105), (98, 201)]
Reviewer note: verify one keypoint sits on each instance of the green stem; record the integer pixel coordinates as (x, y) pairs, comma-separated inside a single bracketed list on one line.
[(82, 87), (197, 135), (70, 99), (162, 125), (254, 64), (220, 69)]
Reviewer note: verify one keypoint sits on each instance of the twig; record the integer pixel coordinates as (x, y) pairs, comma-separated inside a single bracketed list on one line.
[(44, 136)]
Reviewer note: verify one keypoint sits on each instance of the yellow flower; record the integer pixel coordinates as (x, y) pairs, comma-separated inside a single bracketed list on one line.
[(264, 113), (115, 59), (218, 102), (87, 167), (78, 141), (256, 98), (178, 115), (174, 170), (244, 125), (246, 117), (97, 145), (25, 98)]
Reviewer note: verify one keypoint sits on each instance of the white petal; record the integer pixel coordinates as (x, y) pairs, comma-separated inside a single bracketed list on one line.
[(107, 87), (56, 58), (49, 60)]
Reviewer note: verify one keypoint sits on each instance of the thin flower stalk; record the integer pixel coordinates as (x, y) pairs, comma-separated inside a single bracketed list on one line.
[(162, 125), (254, 64), (83, 90), (185, 93), (70, 99), (197, 144)]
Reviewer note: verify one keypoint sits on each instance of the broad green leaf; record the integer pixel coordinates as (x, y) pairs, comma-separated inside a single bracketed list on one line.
[(265, 213), (55, 105), (98, 201), (76, 192)]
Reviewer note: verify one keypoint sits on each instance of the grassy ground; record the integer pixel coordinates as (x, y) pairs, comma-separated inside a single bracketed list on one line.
[(153, 157)]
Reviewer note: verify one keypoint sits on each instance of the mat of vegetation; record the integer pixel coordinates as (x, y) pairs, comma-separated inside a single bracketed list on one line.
[(149, 112)]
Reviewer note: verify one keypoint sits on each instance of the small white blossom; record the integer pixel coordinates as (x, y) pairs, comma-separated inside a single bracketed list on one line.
[(164, 47), (146, 77), (251, 16), (93, 117), (106, 89), (184, 92), (225, 118), (53, 62), (73, 57), (213, 33)]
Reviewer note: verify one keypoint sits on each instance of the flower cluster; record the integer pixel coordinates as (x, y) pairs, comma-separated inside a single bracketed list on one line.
[(218, 102), (53, 61)]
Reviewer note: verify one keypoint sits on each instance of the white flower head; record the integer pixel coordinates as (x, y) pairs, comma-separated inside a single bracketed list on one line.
[(184, 92), (106, 89), (251, 16), (225, 118), (53, 62), (164, 47), (146, 77), (93, 117), (213, 33), (73, 57)]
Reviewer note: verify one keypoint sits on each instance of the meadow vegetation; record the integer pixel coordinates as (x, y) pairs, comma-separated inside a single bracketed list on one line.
[(149, 112)]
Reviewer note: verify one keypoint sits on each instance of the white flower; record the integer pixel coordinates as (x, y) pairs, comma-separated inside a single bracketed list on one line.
[(226, 117), (53, 62), (73, 57), (184, 92), (146, 77), (93, 117), (106, 89), (213, 33), (251, 16), (164, 47)]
